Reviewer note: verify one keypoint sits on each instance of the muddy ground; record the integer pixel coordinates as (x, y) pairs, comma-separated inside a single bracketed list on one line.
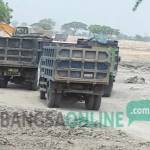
[(133, 82)]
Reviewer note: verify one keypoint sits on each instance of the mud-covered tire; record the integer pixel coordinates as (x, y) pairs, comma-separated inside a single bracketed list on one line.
[(93, 102), (34, 85), (3, 83), (57, 101), (97, 102), (108, 89), (89, 102), (51, 96), (42, 95)]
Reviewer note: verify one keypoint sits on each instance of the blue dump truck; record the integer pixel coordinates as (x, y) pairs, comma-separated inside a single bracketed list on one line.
[(85, 70), (19, 60)]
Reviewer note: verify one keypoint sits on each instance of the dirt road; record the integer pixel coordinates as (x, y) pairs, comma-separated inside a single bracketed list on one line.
[(135, 63)]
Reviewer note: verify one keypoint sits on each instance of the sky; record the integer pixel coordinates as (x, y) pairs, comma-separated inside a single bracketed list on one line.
[(115, 13)]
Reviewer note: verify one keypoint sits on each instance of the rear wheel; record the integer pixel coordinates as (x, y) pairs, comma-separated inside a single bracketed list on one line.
[(53, 98), (34, 84), (58, 98), (42, 95), (97, 102), (89, 102), (108, 89), (93, 102), (3, 83)]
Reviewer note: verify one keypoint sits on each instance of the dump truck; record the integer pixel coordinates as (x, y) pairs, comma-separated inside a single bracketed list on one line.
[(19, 60), (81, 70)]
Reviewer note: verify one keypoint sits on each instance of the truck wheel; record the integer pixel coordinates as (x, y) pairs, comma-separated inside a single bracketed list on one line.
[(34, 85), (42, 95), (3, 83), (93, 102), (97, 102), (58, 100), (108, 89), (89, 102), (51, 96)]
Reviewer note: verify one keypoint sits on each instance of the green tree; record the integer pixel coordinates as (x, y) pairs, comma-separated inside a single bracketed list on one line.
[(5, 12), (106, 30), (73, 27), (44, 24)]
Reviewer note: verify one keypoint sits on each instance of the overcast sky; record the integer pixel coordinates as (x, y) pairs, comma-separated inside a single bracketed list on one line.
[(115, 13)]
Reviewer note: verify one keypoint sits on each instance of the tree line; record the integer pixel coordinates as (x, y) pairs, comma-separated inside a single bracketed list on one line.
[(71, 28)]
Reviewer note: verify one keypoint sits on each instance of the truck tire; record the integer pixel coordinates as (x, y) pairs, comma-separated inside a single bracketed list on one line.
[(108, 89), (93, 102), (34, 84), (3, 83), (89, 102), (58, 100), (51, 96), (42, 95), (97, 102)]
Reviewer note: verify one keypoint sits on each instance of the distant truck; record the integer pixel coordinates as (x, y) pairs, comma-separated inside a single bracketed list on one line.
[(19, 60), (81, 70)]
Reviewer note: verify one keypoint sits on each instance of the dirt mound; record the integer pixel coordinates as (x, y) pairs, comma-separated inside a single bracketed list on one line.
[(136, 80), (56, 136), (135, 66)]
